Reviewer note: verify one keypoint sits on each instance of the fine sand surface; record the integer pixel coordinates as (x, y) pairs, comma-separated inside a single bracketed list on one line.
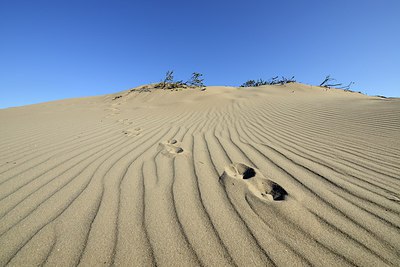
[(278, 175)]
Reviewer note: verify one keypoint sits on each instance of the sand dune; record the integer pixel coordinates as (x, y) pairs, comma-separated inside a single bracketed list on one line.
[(278, 175)]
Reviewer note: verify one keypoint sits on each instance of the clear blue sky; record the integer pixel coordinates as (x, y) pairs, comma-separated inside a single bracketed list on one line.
[(59, 49)]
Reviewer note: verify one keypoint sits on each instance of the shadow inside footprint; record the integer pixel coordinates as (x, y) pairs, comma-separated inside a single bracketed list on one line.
[(179, 150), (255, 181), (277, 192), (172, 142), (249, 173)]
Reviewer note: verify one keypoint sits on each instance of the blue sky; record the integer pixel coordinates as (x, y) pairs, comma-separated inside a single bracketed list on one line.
[(59, 49)]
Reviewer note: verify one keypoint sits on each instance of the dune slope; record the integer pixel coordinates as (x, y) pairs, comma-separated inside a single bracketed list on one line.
[(278, 175)]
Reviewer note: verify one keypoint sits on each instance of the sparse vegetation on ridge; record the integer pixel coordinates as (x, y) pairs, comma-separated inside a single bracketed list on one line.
[(168, 82), (196, 81), (329, 82), (273, 81)]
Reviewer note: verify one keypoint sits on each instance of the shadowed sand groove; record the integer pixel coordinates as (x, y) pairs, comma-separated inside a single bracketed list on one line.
[(222, 177)]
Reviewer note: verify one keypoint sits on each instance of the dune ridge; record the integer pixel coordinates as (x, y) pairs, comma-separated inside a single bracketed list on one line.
[(278, 175)]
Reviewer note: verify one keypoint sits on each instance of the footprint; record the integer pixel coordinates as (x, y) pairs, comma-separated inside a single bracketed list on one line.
[(132, 132), (125, 121), (170, 148), (255, 181), (172, 142)]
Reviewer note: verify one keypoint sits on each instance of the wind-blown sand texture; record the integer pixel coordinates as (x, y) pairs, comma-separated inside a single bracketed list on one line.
[(278, 175)]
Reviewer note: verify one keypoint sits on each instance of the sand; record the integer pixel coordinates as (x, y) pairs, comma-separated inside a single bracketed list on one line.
[(289, 175)]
